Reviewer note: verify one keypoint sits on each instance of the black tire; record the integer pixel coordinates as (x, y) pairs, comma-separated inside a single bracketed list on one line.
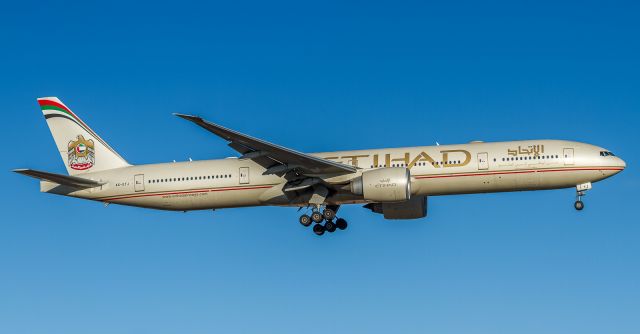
[(318, 229), (330, 226), (328, 214), (341, 223), (317, 217), (305, 220), (578, 205)]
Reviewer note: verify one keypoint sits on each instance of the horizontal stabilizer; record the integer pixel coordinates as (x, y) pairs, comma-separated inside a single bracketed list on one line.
[(71, 181)]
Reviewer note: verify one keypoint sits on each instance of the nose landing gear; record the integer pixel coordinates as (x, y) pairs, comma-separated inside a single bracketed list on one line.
[(327, 216), (580, 191)]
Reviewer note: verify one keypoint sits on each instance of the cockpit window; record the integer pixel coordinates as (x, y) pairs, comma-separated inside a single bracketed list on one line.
[(606, 154)]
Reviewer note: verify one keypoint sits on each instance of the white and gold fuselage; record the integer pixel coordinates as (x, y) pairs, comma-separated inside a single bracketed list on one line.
[(476, 167)]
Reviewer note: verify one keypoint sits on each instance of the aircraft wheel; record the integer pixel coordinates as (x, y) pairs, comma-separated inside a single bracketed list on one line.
[(578, 205), (305, 220), (330, 226), (341, 223), (328, 214), (318, 229), (317, 217)]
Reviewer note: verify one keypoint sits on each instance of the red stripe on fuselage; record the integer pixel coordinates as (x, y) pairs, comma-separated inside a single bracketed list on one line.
[(515, 172), (182, 192)]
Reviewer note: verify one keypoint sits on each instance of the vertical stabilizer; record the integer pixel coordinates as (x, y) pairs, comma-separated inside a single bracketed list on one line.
[(82, 150)]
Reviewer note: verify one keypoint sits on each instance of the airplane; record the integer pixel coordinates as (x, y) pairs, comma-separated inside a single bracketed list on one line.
[(393, 182)]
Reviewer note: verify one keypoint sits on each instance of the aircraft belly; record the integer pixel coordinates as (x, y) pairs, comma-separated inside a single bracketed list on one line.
[(196, 199), (216, 200), (163, 202), (454, 185), (275, 195), (231, 199), (551, 180)]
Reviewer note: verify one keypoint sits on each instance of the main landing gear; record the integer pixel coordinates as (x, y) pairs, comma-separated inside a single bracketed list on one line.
[(580, 191), (327, 216)]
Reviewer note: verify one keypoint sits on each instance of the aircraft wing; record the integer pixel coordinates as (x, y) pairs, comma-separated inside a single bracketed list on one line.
[(72, 181), (277, 159)]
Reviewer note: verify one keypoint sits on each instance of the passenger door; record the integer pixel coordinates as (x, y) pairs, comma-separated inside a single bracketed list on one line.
[(483, 161), (138, 182), (244, 175), (568, 156)]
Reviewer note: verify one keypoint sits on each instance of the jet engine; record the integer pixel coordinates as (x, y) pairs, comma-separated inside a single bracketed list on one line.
[(383, 185)]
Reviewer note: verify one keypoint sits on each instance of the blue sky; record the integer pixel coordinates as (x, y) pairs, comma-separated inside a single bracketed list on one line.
[(321, 76)]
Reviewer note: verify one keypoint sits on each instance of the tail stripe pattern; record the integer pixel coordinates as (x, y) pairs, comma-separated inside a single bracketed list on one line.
[(53, 109)]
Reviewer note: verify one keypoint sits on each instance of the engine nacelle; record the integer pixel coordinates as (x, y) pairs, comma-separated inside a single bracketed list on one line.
[(414, 208), (383, 185)]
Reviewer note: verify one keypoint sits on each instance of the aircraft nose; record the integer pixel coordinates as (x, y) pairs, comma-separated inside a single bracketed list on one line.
[(621, 163)]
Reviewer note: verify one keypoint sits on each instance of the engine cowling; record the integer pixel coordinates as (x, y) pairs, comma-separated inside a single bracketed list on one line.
[(414, 208), (383, 185)]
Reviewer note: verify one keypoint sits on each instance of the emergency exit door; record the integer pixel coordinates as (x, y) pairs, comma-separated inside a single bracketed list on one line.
[(568, 156), (138, 182), (483, 161), (244, 175)]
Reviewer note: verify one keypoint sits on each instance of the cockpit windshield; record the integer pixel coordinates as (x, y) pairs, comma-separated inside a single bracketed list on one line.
[(606, 154)]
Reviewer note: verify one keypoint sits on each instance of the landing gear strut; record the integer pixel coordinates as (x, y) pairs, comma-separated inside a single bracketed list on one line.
[(580, 191), (327, 216)]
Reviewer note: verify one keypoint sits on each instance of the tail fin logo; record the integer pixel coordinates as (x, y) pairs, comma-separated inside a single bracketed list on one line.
[(81, 153)]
